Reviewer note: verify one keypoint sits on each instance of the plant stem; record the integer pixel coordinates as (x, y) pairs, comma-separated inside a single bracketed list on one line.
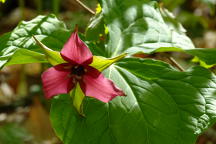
[(56, 6), (174, 62), (22, 8), (39, 6), (86, 7), (213, 70)]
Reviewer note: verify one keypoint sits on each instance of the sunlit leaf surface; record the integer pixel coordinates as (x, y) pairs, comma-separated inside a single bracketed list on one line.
[(162, 105)]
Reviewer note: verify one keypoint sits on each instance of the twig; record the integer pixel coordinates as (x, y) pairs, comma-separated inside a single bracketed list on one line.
[(86, 7), (175, 63), (213, 69), (22, 8)]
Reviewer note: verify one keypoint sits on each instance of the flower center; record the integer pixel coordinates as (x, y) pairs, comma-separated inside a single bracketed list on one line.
[(78, 70)]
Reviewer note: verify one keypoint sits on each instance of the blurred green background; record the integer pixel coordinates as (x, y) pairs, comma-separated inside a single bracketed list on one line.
[(24, 113)]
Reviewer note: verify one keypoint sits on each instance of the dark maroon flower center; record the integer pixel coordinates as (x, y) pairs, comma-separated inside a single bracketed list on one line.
[(78, 70)]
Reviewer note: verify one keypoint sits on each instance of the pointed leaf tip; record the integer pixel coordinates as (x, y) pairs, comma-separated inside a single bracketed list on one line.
[(53, 57), (101, 63)]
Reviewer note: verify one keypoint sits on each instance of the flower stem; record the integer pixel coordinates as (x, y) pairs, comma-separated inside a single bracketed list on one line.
[(39, 6), (22, 8), (86, 7), (56, 6), (174, 62)]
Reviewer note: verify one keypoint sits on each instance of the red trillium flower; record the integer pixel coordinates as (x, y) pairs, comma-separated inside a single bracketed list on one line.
[(62, 78)]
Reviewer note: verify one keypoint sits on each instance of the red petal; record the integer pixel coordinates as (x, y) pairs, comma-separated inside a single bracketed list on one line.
[(95, 85), (56, 80), (75, 51)]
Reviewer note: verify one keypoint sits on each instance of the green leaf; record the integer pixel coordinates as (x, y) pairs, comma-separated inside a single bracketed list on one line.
[(13, 134), (96, 35), (162, 105), (48, 29), (24, 56), (140, 26), (95, 28), (143, 27)]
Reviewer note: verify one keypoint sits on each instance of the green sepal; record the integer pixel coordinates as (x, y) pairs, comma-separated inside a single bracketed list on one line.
[(78, 97), (101, 63), (53, 57)]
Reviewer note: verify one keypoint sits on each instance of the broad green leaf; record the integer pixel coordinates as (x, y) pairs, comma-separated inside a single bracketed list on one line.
[(162, 105), (171, 21), (48, 29), (143, 27), (12, 133), (97, 48), (139, 25), (95, 28), (96, 35), (24, 56)]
